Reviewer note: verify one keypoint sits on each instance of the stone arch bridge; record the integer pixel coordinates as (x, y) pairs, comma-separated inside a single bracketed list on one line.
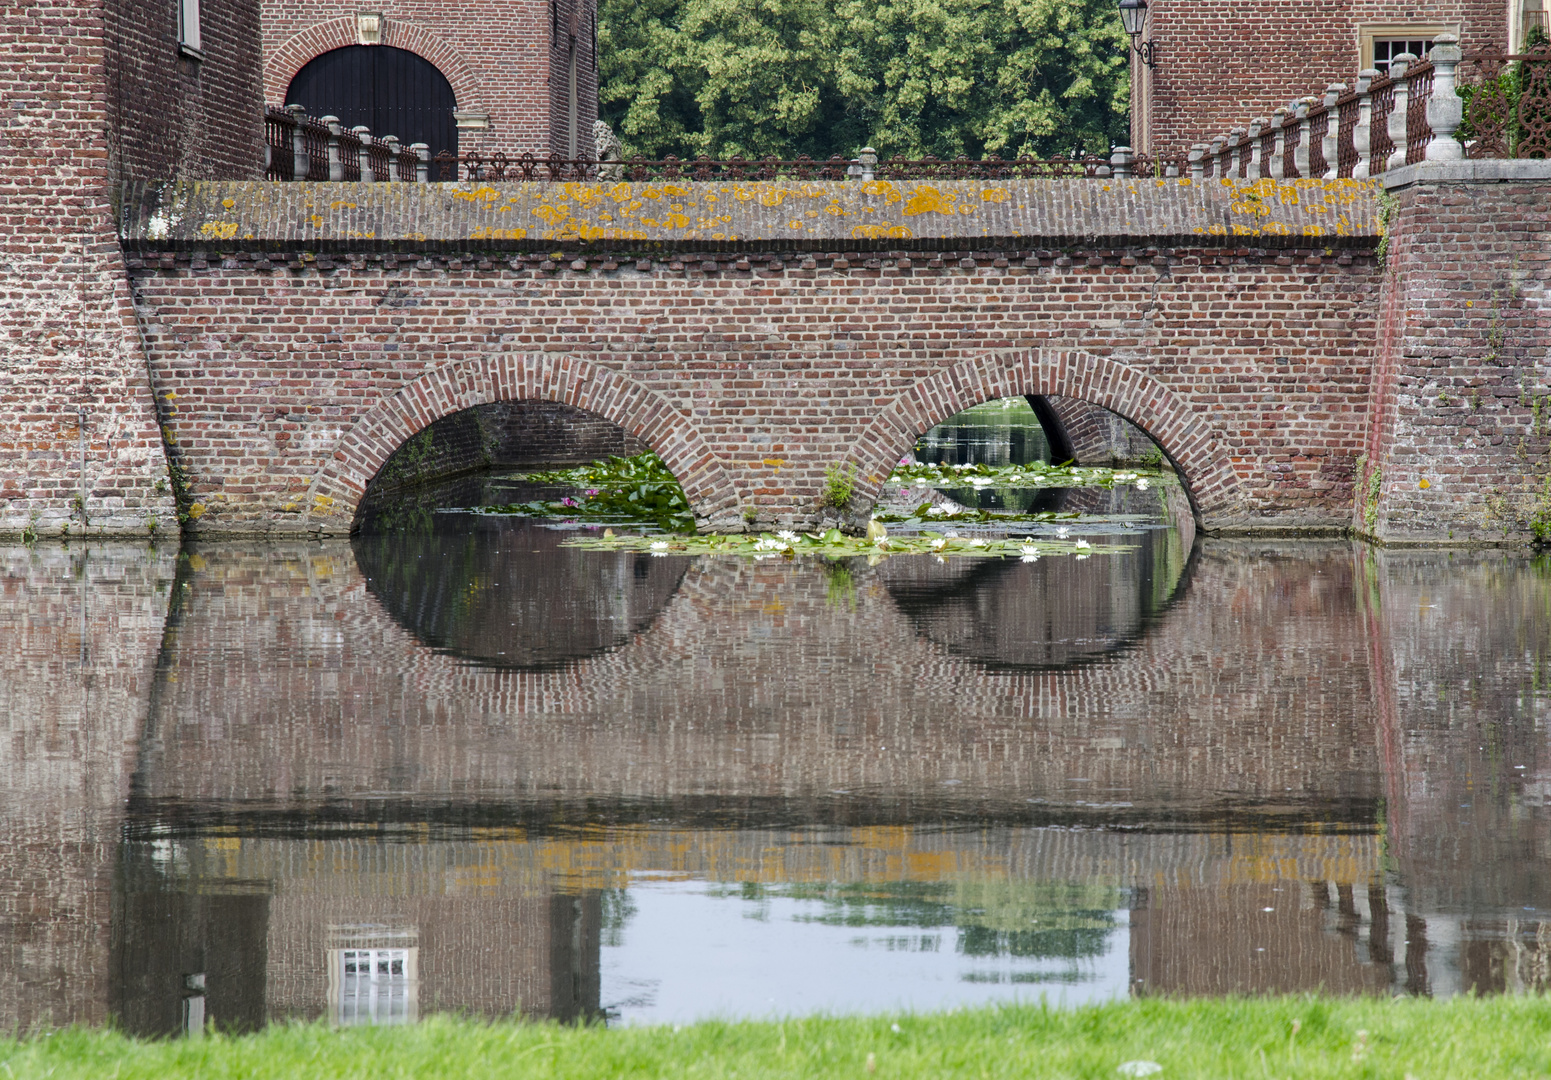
[(754, 334)]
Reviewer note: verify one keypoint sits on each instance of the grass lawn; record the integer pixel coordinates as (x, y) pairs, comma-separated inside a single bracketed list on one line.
[(1248, 1038)]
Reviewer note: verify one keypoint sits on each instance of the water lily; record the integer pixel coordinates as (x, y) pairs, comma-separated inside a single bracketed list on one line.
[(1030, 553), (659, 545), (1142, 484), (1083, 544), (1062, 532), (939, 543), (787, 534), (939, 511)]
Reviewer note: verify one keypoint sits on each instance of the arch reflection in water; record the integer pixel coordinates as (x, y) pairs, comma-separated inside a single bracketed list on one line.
[(1054, 613), (501, 591)]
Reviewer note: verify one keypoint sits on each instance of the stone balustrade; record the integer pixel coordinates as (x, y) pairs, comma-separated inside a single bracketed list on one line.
[(302, 147), (1381, 122)]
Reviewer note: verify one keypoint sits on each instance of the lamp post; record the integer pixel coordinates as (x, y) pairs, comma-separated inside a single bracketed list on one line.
[(1133, 15)]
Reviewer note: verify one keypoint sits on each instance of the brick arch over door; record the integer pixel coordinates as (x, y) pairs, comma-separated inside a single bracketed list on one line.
[(1184, 434), (337, 489), (281, 66)]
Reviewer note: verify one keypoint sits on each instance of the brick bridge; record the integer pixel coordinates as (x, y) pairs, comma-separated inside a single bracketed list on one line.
[(754, 334)]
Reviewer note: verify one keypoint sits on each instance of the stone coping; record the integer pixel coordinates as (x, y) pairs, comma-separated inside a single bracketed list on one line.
[(763, 216), (1481, 171)]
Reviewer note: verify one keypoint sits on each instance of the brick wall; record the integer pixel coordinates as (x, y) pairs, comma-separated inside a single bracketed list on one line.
[(69, 348), (1262, 354), (1460, 434), (510, 61), (172, 115), (1221, 64), (1099, 437)]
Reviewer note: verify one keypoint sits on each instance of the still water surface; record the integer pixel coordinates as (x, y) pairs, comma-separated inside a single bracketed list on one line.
[(462, 767)]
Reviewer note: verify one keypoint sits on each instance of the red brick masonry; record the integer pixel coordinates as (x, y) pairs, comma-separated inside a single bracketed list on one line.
[(287, 370)]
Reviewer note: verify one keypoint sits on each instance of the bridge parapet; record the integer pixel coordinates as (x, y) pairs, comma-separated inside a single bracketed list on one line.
[(757, 215)]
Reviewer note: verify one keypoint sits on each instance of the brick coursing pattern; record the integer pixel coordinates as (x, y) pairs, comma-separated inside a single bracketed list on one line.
[(171, 115), (1461, 400), (286, 386), (502, 60), (1220, 64), (68, 339), (1099, 437)]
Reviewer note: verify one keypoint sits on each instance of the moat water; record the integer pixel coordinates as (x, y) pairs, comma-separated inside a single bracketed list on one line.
[(457, 765)]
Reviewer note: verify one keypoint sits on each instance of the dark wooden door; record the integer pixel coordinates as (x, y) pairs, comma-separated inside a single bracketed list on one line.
[(392, 91)]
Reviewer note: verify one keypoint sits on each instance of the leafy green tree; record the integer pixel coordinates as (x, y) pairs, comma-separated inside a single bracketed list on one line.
[(820, 77)]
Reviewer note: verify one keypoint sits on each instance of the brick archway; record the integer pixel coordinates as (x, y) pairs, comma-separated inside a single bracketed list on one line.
[(1182, 432), (337, 489), (281, 65)]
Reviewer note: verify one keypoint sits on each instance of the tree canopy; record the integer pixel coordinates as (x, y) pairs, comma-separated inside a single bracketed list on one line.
[(760, 78)]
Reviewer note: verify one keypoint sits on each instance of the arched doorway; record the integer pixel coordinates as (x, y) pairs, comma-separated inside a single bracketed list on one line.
[(392, 91)]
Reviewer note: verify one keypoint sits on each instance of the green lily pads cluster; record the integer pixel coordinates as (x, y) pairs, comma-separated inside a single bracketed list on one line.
[(834, 544), (637, 489), (1034, 475)]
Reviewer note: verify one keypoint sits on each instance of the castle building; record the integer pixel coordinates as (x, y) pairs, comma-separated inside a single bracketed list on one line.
[(518, 78), (1206, 66)]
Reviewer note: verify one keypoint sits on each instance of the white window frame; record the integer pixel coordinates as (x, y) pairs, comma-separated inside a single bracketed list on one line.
[(190, 43), (1367, 35), (386, 992)]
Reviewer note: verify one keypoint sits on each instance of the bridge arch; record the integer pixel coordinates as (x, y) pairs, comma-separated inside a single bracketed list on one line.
[(1184, 435), (283, 64), (337, 488)]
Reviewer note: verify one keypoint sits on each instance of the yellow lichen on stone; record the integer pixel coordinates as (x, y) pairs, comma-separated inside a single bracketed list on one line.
[(884, 188), (928, 200), (218, 230), (993, 195), (484, 193), (881, 232)]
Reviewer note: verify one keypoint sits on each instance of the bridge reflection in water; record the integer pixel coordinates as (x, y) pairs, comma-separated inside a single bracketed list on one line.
[(253, 781)]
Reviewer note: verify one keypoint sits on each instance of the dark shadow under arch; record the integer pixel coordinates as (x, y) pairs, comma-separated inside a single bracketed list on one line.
[(501, 592)]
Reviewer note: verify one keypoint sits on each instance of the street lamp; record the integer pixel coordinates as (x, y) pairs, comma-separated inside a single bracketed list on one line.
[(1133, 15)]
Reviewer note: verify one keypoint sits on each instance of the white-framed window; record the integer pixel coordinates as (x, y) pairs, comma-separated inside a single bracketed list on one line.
[(373, 985), (1379, 45), (188, 27)]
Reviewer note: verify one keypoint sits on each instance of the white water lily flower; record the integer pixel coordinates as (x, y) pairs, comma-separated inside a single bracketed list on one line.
[(1062, 532), (938, 511), (1083, 544), (787, 534), (951, 535), (977, 543), (939, 544), (1141, 484), (659, 545), (1030, 553)]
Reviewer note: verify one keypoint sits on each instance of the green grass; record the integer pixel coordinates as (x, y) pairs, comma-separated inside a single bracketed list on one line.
[(1246, 1038)]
